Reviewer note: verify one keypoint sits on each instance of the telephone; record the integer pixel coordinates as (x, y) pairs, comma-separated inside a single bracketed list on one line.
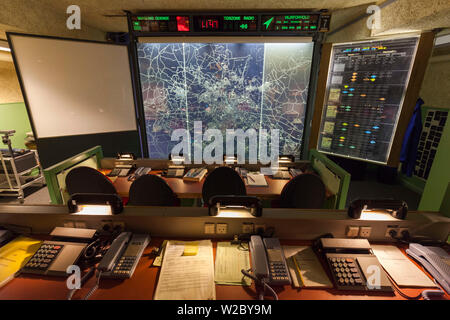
[(353, 265), (65, 249), (269, 264), (123, 255), (141, 171), (119, 172), (435, 260), (175, 172)]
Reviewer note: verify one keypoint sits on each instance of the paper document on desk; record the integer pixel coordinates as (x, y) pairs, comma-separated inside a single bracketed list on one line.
[(256, 180), (404, 272), (14, 255), (187, 277), (230, 260), (305, 268)]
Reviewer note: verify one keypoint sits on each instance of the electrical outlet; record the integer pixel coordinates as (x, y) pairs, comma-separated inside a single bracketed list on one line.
[(106, 225), (248, 227), (364, 232), (391, 229), (119, 225), (260, 228), (352, 231), (402, 231), (210, 228), (69, 224), (222, 228)]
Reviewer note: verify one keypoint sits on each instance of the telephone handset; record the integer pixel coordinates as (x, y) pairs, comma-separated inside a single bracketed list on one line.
[(268, 261), (123, 255), (141, 171)]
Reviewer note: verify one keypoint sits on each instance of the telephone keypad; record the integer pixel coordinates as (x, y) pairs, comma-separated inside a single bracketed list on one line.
[(346, 273), (124, 265), (44, 257)]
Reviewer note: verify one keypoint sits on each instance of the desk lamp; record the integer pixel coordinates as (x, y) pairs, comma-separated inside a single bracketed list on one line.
[(383, 209), (234, 206)]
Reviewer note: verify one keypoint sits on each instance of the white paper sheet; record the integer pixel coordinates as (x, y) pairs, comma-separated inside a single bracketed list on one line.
[(400, 268), (256, 180), (187, 277)]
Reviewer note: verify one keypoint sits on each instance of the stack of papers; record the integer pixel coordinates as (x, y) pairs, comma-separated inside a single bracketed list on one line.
[(187, 272), (404, 272), (305, 268), (230, 260), (256, 180)]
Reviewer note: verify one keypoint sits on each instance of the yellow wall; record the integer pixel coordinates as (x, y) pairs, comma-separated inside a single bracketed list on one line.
[(9, 85)]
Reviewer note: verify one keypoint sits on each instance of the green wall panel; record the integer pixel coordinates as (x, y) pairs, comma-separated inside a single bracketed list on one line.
[(13, 116)]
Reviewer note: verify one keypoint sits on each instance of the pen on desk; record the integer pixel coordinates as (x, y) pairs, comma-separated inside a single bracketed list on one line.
[(250, 177)]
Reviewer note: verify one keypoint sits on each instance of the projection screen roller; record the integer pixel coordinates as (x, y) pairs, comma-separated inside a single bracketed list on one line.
[(75, 87)]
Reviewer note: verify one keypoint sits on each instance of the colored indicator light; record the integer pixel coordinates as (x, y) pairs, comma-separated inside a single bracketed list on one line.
[(376, 127), (312, 27), (232, 18), (341, 145), (363, 95), (352, 147), (182, 23), (342, 138), (356, 125), (243, 26), (344, 91), (372, 142), (268, 22), (345, 124), (373, 76), (352, 89), (344, 129), (368, 132), (353, 80), (350, 95), (346, 87), (382, 99)]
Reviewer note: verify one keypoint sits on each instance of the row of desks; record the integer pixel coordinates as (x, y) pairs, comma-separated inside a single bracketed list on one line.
[(193, 190), (142, 286)]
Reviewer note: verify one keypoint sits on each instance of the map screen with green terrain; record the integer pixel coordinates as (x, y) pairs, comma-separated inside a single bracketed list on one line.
[(226, 86)]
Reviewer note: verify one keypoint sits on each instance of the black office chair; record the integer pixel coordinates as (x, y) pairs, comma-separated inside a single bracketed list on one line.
[(88, 180), (305, 191), (151, 190), (223, 181)]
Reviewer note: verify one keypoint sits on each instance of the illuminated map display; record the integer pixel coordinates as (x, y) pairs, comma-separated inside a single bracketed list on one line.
[(226, 86), (365, 91)]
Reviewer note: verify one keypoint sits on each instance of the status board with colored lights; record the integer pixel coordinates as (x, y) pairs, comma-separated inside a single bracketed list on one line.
[(244, 24), (366, 87)]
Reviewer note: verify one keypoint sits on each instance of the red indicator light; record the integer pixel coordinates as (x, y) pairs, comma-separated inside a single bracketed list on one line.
[(182, 23), (210, 24)]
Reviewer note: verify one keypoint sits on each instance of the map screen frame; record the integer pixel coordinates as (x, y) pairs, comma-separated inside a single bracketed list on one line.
[(185, 81), (365, 91)]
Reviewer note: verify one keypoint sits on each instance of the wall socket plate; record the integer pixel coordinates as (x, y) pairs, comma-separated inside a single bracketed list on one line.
[(209, 228), (364, 232), (248, 227), (352, 231), (221, 228)]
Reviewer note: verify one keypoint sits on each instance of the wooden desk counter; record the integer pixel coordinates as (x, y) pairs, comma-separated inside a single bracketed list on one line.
[(143, 284), (192, 189)]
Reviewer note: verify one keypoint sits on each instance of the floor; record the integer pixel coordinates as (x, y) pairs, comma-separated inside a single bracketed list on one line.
[(33, 195)]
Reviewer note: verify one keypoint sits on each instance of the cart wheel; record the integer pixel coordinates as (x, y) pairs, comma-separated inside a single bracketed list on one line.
[(21, 199)]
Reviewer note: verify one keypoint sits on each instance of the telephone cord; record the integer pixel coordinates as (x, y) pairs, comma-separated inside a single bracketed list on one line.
[(262, 283)]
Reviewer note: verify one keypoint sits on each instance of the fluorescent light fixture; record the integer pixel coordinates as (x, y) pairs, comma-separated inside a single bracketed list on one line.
[(4, 46), (93, 209), (377, 216), (177, 160), (234, 212)]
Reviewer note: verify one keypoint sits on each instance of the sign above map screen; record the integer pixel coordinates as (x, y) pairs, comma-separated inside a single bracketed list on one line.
[(260, 86), (245, 24), (366, 86)]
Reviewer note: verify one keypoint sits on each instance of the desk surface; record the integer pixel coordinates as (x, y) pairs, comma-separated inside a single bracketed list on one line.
[(192, 189), (143, 284)]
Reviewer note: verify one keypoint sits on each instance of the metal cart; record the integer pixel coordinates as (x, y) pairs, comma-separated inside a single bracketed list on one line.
[(16, 168)]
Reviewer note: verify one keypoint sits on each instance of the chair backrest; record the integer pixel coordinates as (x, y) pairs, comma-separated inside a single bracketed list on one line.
[(88, 180), (151, 190), (223, 181), (304, 191)]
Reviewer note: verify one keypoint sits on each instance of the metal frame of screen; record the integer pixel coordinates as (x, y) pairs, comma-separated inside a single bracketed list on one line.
[(325, 102), (317, 39)]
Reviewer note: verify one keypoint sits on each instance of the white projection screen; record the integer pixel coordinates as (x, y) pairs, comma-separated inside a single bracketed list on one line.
[(75, 87)]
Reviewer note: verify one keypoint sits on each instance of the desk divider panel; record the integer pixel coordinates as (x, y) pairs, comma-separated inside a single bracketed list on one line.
[(55, 175), (335, 178)]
